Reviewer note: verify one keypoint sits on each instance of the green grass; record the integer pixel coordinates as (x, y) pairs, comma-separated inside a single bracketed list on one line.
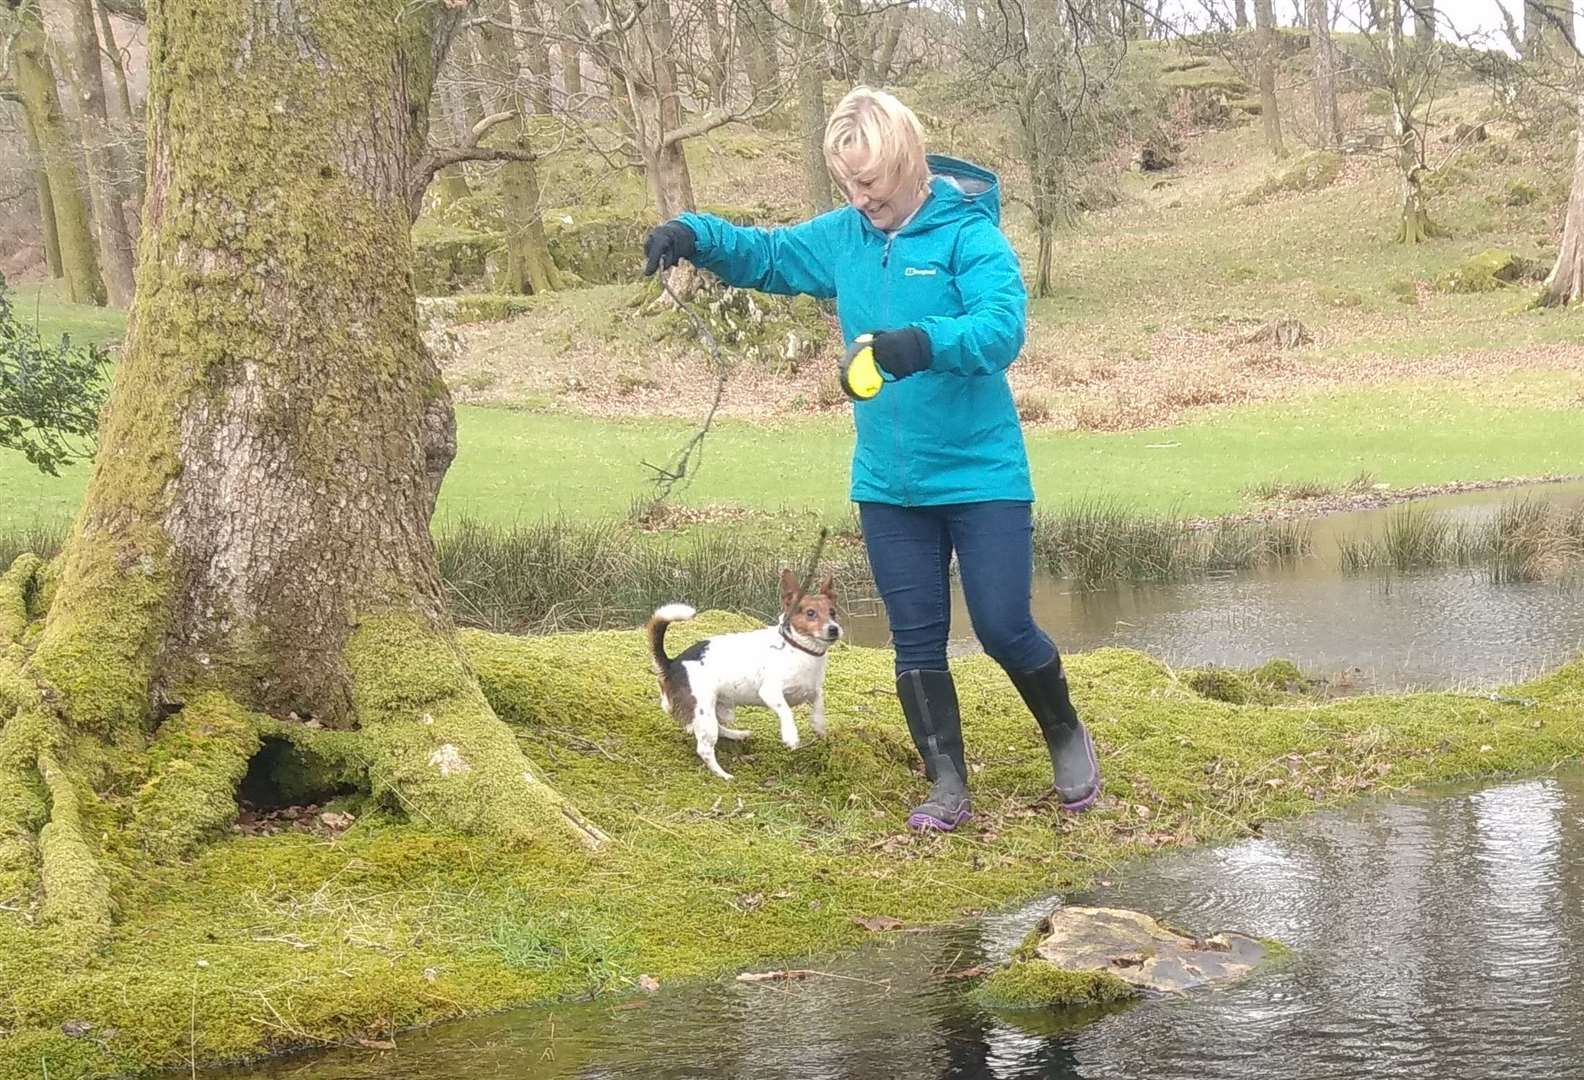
[(519, 467), (40, 303), (301, 938)]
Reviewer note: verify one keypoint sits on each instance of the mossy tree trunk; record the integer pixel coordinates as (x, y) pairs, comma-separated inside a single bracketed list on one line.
[(46, 202), (253, 549), (1565, 285), (1328, 120), (1265, 43), (35, 76), (74, 22)]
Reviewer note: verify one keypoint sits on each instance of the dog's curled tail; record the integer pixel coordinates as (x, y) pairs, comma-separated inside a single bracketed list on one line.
[(655, 628)]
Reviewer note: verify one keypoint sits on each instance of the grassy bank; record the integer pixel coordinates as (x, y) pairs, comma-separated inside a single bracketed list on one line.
[(315, 936), (521, 466)]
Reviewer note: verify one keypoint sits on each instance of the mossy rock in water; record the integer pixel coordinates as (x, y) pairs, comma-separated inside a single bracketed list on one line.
[(1133, 949), (1488, 271), (449, 260), (1281, 674), (1035, 984)]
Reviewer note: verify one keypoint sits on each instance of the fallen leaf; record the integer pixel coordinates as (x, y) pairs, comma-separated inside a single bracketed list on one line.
[(879, 923), (648, 983), (968, 972), (337, 821)]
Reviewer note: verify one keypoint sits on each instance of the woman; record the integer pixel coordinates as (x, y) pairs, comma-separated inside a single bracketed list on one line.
[(917, 259)]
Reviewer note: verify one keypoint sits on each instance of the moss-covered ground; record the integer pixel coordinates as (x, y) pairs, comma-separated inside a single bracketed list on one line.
[(303, 936)]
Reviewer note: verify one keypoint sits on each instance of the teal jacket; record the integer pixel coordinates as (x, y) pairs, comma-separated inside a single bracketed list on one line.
[(946, 435)]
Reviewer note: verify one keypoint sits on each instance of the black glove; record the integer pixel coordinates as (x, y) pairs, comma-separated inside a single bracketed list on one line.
[(665, 246), (904, 352)]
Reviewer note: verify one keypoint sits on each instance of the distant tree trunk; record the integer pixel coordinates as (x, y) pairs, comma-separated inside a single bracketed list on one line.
[(895, 21), (569, 55), (811, 106), (1414, 226), (107, 38), (529, 268), (129, 149), (1424, 14), (1240, 13), (756, 30), (35, 77), (1531, 28), (46, 202), (535, 56), (1265, 38), (1328, 120), (666, 164), (1565, 285), (75, 22), (717, 32), (451, 183)]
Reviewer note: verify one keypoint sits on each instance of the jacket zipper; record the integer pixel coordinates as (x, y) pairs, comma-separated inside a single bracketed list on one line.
[(902, 464)]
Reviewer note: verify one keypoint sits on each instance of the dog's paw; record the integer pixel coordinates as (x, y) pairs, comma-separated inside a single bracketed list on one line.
[(792, 741)]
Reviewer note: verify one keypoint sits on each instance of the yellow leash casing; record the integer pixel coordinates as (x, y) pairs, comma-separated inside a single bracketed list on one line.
[(860, 375)]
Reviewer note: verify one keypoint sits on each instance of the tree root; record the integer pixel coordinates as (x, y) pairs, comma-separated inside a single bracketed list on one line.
[(192, 798), (437, 749), (76, 891), (16, 591)]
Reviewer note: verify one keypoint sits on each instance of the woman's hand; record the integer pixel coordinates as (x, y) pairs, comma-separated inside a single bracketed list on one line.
[(667, 245), (904, 352)]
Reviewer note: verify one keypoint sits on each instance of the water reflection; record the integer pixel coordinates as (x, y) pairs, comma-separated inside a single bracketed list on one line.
[(1433, 937), (1430, 628)]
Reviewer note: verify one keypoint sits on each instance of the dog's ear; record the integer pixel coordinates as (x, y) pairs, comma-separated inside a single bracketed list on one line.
[(828, 588), (789, 589)]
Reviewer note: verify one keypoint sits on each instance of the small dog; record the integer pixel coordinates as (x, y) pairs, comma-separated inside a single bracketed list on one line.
[(778, 666)]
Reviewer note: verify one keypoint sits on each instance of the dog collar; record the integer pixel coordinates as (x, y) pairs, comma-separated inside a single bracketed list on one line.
[(786, 637)]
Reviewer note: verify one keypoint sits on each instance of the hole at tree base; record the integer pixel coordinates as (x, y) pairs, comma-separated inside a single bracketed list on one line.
[(286, 786)]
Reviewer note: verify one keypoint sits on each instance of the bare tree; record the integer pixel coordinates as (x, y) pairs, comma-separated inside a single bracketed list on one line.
[(1565, 284)]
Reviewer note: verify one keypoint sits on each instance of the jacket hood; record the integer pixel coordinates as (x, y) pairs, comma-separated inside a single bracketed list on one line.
[(958, 188)]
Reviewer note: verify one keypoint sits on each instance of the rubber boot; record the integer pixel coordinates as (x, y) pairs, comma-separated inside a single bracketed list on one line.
[(929, 701), (1072, 752)]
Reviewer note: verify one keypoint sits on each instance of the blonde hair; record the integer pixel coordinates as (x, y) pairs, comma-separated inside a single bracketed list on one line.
[(887, 136)]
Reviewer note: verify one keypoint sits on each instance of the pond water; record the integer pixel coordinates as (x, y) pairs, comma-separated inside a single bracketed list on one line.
[(1434, 936), (1433, 628)]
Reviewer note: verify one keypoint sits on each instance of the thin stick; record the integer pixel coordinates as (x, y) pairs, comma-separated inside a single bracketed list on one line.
[(813, 563), (685, 464)]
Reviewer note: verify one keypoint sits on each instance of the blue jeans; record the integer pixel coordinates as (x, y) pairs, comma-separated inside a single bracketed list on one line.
[(910, 549)]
